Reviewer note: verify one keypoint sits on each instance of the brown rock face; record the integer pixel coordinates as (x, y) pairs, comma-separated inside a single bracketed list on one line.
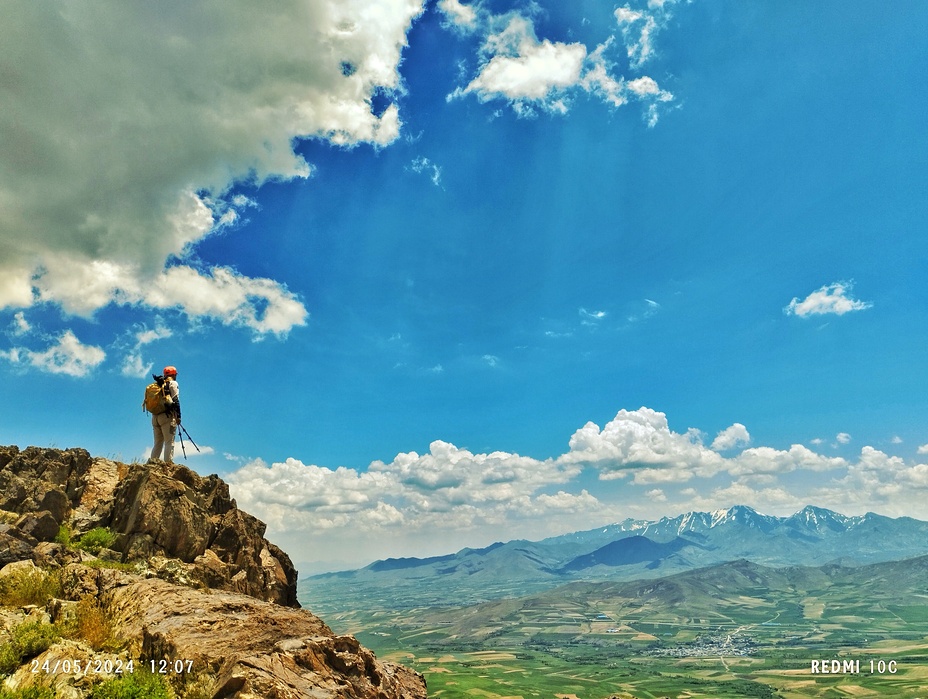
[(156, 509), (255, 649)]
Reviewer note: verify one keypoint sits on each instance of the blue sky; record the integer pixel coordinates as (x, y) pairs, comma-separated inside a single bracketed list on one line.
[(437, 276)]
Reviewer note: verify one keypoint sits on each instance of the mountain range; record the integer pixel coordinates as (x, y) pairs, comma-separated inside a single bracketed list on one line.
[(633, 549)]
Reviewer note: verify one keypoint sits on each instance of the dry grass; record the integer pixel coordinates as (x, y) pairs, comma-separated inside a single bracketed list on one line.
[(29, 586), (92, 625)]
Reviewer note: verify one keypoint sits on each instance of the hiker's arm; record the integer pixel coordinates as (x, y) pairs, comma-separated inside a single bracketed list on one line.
[(175, 394)]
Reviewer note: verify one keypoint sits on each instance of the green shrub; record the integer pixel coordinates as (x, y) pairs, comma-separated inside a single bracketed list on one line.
[(64, 536), (28, 640), (29, 586), (96, 539), (27, 693), (136, 685)]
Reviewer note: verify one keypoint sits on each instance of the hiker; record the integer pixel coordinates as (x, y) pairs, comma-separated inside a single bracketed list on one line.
[(164, 424)]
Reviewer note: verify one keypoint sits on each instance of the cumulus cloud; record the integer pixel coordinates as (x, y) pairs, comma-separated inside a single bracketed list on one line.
[(67, 356), (843, 438), (830, 299), (731, 437), (128, 125), (539, 74), (761, 460), (525, 70), (451, 493), (444, 489), (640, 439), (923, 449)]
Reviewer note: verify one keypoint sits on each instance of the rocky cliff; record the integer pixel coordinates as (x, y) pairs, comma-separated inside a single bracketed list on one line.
[(186, 582)]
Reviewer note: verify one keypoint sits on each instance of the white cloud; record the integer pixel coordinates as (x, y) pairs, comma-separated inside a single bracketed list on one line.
[(460, 15), (761, 460), (68, 356), (524, 69), (830, 299), (591, 317), (491, 360), (20, 325), (133, 364), (638, 29), (923, 449), (731, 437), (533, 74), (423, 164), (128, 125), (640, 439), (843, 438), (451, 497)]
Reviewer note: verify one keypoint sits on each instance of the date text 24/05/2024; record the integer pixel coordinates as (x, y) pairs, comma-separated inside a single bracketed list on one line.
[(111, 667)]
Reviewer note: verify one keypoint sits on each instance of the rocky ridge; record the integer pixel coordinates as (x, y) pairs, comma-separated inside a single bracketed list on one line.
[(195, 582)]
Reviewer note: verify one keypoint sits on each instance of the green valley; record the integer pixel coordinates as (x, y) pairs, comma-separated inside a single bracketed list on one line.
[(733, 630)]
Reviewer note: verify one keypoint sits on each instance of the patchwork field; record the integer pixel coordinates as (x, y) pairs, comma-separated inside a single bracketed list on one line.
[(665, 638)]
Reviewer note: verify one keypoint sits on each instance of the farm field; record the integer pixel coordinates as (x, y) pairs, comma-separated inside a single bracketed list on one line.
[(754, 637)]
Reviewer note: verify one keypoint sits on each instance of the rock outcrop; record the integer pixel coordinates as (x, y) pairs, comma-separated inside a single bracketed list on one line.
[(233, 618), (157, 510)]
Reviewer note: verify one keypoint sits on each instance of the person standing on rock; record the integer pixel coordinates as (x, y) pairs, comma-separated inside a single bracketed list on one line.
[(164, 424)]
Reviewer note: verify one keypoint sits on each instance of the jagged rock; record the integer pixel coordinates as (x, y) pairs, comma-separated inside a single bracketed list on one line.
[(168, 510), (42, 479), (156, 509), (15, 545), (43, 526), (255, 648), (95, 505)]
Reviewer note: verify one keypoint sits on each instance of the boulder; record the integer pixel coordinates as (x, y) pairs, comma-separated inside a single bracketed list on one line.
[(42, 526)]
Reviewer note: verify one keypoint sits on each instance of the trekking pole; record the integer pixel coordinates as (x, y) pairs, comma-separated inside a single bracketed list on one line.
[(182, 445), (188, 437)]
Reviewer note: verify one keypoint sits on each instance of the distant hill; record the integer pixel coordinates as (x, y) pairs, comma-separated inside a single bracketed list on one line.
[(629, 550), (796, 597)]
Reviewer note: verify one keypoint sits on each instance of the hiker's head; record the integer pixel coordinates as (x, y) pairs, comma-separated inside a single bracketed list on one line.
[(170, 371)]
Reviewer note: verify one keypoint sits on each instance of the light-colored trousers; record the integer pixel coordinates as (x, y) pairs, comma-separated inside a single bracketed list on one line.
[(164, 430)]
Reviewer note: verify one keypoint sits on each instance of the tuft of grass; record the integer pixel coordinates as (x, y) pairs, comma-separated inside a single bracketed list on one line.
[(28, 639), (96, 539), (64, 536), (203, 686), (24, 587), (136, 685), (113, 565), (92, 624)]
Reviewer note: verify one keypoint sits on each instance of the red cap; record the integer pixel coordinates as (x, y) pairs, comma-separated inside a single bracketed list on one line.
[(169, 371)]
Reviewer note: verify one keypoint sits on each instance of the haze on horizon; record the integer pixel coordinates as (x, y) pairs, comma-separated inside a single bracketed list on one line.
[(440, 274)]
